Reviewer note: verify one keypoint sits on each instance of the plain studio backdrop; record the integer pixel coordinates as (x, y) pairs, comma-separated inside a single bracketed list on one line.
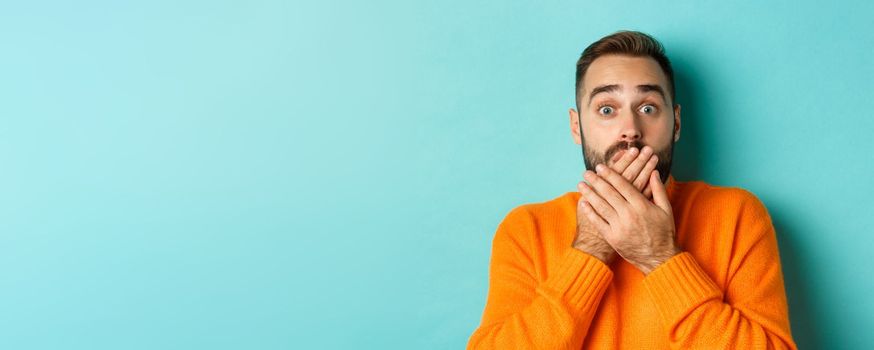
[(328, 175)]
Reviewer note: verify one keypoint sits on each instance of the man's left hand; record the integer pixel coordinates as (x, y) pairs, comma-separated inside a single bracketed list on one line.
[(641, 231)]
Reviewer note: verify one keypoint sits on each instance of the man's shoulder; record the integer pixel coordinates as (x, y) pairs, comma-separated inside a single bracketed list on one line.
[(535, 221), (544, 215), (704, 194), (557, 206)]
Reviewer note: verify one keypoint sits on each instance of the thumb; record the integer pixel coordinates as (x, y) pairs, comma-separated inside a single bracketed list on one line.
[(659, 194)]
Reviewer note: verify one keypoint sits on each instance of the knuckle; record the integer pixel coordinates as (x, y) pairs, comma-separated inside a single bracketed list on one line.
[(597, 205), (622, 211), (596, 180)]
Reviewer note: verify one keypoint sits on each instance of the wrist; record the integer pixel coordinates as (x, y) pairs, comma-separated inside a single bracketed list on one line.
[(648, 265), (605, 254)]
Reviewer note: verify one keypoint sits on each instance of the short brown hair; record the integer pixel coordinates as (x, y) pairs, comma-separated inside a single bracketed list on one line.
[(629, 43)]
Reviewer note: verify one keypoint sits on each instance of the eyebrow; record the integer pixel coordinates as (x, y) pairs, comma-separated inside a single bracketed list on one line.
[(643, 88)]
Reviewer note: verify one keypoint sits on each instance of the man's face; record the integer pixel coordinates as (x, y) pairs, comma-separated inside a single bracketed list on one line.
[(624, 102)]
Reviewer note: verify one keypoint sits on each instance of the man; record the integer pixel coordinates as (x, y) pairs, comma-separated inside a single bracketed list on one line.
[(635, 259)]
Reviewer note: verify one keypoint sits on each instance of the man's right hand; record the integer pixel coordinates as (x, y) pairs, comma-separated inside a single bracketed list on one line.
[(634, 166)]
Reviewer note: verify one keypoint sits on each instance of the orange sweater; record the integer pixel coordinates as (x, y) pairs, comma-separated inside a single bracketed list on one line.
[(725, 291)]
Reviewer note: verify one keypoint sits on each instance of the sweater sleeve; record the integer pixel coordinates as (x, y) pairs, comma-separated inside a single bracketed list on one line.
[(522, 313), (751, 313)]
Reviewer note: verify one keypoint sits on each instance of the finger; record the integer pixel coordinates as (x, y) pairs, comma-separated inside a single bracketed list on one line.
[(627, 192), (617, 156), (580, 189), (647, 192), (659, 194), (643, 176), (605, 190), (596, 220), (627, 157), (601, 206), (634, 170)]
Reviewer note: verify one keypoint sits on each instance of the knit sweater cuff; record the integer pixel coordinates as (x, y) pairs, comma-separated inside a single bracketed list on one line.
[(580, 280), (678, 286)]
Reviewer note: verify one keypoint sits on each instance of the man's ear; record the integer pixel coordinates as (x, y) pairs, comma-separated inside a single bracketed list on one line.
[(575, 126), (676, 122)]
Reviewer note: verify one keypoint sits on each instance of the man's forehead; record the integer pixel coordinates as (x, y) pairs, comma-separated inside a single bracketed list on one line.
[(625, 71)]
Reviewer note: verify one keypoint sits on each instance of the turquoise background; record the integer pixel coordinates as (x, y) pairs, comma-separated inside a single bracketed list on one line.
[(327, 175)]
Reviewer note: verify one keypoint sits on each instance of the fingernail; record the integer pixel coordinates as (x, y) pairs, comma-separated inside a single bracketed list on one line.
[(633, 150), (599, 168)]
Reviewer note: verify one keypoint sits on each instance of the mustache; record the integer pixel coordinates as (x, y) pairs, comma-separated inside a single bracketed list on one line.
[(620, 146)]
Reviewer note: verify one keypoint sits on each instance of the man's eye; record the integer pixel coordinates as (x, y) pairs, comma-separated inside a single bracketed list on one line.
[(605, 110), (648, 109)]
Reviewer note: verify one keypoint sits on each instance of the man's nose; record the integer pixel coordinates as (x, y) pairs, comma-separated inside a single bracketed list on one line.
[(630, 128)]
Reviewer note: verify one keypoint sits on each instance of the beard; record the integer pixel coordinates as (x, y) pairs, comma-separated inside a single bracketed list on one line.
[(665, 155)]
